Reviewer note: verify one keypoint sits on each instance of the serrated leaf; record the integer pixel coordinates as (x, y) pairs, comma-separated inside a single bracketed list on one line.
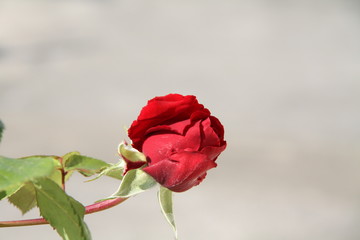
[(15, 172), (56, 175), (2, 127), (85, 165), (135, 181), (130, 153), (63, 212), (24, 198), (166, 204), (3, 194), (9, 191)]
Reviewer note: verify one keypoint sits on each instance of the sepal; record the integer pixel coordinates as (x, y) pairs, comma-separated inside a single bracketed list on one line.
[(132, 157), (115, 171), (166, 205), (130, 153), (134, 182)]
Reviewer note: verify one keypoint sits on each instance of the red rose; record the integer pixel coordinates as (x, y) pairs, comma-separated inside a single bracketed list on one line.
[(180, 140)]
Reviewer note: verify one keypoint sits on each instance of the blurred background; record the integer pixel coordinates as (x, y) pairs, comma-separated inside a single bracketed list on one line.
[(282, 76)]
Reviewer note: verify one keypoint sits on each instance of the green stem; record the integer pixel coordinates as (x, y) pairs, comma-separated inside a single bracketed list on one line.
[(96, 207)]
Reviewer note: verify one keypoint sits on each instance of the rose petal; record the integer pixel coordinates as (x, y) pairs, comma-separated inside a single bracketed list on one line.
[(192, 138), (210, 137), (162, 111), (177, 127), (160, 146), (180, 127), (213, 152), (218, 127), (181, 171), (200, 114)]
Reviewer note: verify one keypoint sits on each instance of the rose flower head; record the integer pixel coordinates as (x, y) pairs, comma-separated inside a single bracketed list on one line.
[(180, 139)]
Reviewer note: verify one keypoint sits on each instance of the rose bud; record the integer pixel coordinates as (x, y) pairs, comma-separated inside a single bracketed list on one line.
[(180, 139)]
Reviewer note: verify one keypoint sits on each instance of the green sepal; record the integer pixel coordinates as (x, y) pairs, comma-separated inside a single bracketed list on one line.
[(64, 213), (24, 198), (130, 153), (15, 172), (134, 182), (87, 166), (166, 205), (114, 171)]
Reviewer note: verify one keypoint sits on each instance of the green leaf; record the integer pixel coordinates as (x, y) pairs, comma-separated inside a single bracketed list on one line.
[(85, 165), (63, 212), (9, 191), (67, 156), (131, 153), (135, 181), (56, 175), (24, 198), (15, 172), (166, 204), (3, 194), (2, 127)]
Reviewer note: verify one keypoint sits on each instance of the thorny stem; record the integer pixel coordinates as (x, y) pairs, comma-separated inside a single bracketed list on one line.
[(96, 207)]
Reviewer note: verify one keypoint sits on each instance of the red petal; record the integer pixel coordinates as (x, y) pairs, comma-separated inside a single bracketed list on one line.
[(218, 127), (181, 171), (210, 137), (161, 146), (213, 152), (178, 128), (162, 111), (192, 138), (200, 114)]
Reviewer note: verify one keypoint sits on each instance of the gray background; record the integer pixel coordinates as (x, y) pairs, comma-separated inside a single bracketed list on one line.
[(282, 76)]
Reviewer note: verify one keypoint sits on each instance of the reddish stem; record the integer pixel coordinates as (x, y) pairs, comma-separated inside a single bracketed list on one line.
[(103, 205), (96, 207)]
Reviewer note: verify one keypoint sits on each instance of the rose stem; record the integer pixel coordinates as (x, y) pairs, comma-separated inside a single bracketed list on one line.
[(96, 207)]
